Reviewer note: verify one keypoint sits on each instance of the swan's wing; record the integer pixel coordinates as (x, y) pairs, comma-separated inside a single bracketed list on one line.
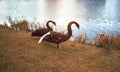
[(41, 39), (56, 36)]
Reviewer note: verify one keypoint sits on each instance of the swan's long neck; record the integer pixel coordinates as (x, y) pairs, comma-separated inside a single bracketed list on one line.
[(49, 26), (69, 34)]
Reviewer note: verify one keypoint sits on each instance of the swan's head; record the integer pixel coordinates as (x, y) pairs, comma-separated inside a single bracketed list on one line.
[(78, 26), (74, 22), (54, 23)]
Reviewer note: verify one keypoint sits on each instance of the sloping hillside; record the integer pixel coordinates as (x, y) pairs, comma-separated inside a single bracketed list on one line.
[(19, 52)]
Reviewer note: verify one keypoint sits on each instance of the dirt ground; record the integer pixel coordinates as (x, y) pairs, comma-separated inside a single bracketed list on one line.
[(19, 52)]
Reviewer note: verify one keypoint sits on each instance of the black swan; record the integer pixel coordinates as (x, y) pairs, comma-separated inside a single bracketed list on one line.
[(57, 37), (41, 31)]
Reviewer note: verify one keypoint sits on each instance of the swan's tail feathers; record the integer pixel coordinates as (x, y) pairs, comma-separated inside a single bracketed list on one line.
[(41, 39)]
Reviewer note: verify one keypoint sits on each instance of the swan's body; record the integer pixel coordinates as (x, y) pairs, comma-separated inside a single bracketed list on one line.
[(57, 37), (41, 31)]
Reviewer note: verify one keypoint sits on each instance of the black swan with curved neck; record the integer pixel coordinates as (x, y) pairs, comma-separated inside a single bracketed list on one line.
[(57, 37), (41, 31)]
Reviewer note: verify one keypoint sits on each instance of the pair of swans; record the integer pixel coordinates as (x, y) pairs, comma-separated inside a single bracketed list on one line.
[(55, 37)]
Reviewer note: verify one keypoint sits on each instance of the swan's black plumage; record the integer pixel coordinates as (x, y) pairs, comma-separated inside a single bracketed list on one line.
[(41, 31), (57, 37)]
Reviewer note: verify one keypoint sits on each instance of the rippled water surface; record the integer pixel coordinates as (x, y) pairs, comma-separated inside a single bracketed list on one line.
[(94, 16)]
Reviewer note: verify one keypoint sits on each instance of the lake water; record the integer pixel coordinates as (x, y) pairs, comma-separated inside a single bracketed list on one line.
[(94, 16)]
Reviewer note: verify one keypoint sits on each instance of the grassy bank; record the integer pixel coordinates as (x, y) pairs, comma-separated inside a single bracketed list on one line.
[(104, 40), (19, 52)]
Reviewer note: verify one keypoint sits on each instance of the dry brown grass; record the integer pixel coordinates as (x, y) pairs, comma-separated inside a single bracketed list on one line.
[(20, 25), (19, 52), (4, 25), (107, 41), (116, 42), (104, 40), (81, 38)]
